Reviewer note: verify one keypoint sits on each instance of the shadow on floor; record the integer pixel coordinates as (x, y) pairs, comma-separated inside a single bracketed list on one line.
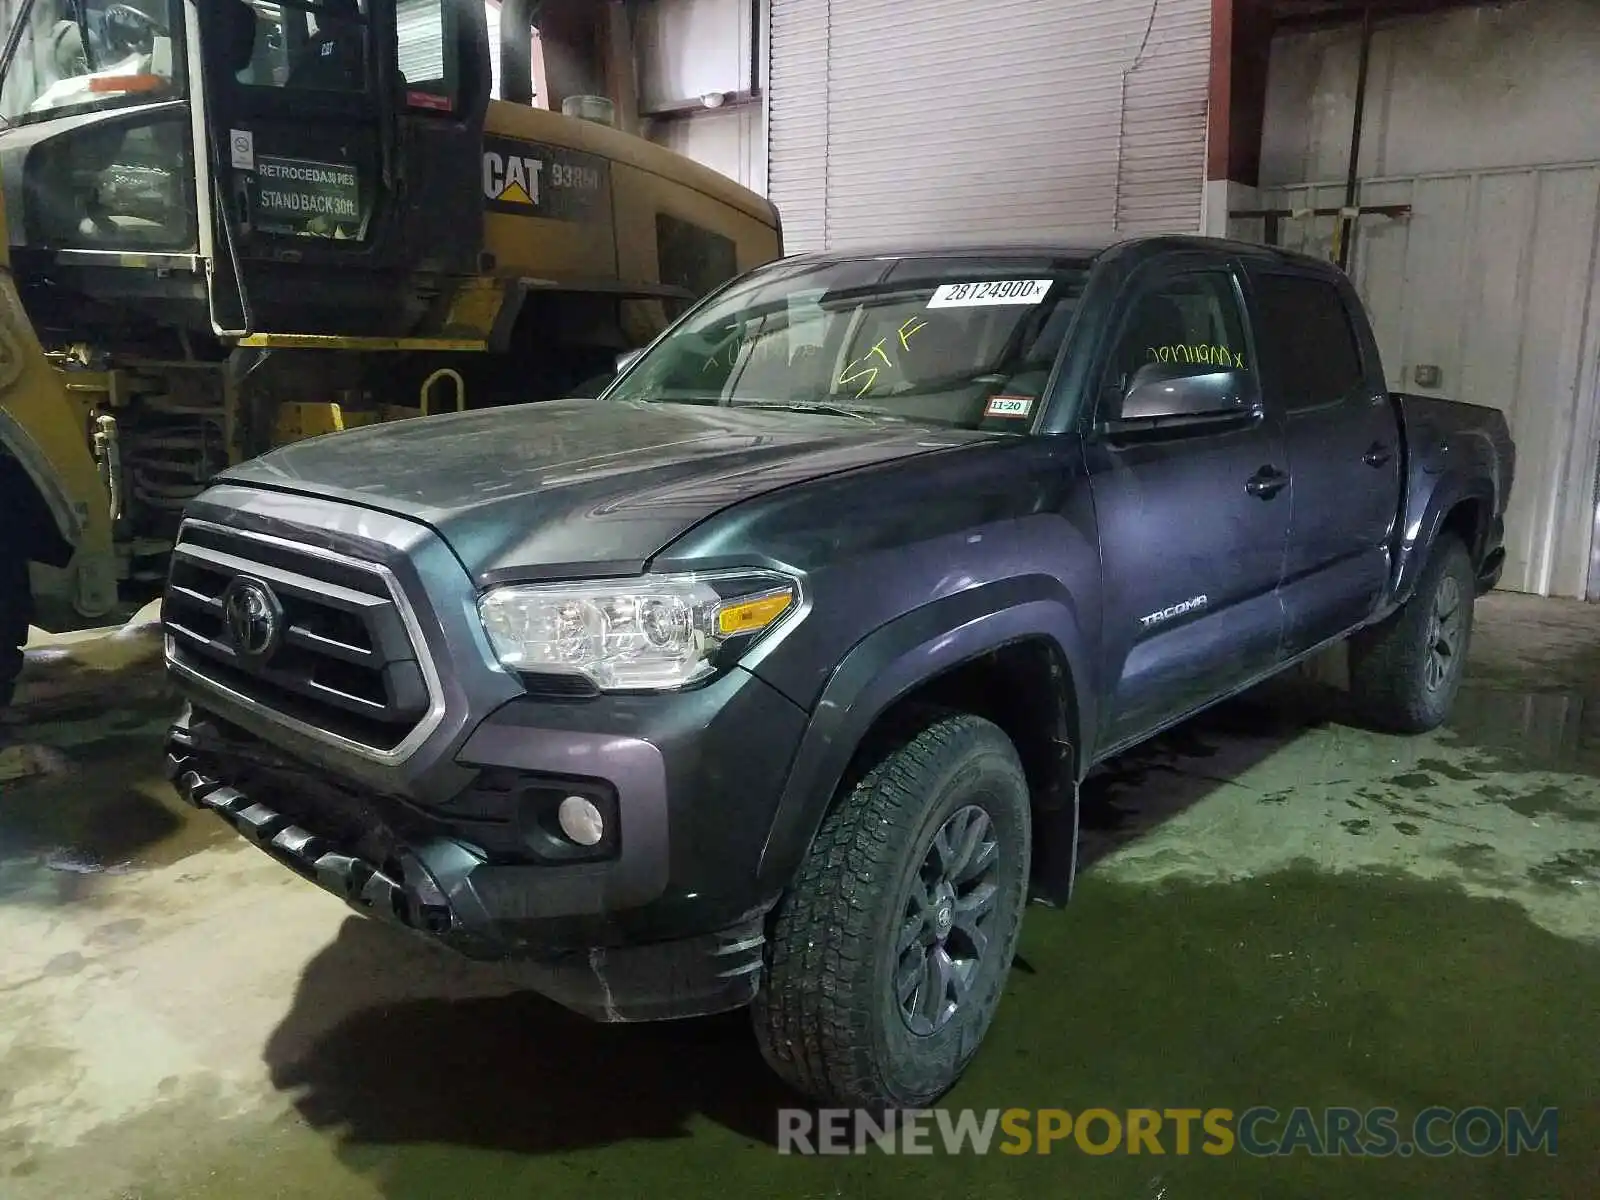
[(1295, 989), (514, 1072)]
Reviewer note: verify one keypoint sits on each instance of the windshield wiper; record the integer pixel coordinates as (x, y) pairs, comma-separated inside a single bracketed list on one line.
[(832, 410)]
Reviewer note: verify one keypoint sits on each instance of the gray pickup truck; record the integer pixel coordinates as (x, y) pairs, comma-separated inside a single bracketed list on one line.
[(764, 677)]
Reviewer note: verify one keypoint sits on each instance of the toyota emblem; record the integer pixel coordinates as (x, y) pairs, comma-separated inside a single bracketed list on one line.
[(253, 618)]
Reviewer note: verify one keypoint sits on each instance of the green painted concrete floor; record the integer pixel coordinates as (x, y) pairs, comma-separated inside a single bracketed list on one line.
[(1279, 910)]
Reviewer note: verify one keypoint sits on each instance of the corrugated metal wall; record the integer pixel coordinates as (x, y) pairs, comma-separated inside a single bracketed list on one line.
[(1493, 280), (1033, 118), (1485, 121)]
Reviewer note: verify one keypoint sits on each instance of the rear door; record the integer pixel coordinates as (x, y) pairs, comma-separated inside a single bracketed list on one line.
[(1193, 521), (1343, 443)]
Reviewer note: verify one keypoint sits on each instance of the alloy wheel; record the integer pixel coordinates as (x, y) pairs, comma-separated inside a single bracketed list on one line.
[(945, 918)]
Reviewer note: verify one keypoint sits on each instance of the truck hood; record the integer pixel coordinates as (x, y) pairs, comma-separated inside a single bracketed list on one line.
[(592, 486)]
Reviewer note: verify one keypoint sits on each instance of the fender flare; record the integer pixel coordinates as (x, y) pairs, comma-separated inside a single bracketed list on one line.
[(890, 663), (1421, 534)]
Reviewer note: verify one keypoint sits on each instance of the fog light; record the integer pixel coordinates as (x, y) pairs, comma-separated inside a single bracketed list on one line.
[(581, 821)]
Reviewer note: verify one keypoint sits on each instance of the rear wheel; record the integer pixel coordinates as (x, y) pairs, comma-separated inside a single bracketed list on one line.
[(1405, 672), (889, 953)]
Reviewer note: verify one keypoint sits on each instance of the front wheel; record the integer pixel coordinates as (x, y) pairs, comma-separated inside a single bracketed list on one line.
[(889, 953), (1405, 672)]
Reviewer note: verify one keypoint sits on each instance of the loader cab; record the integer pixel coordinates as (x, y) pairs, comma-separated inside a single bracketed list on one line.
[(284, 164)]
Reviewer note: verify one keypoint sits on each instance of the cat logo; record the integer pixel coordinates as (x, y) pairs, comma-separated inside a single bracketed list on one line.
[(557, 183), (511, 179)]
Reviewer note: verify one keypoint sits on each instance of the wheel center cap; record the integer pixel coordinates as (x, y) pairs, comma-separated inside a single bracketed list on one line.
[(944, 916)]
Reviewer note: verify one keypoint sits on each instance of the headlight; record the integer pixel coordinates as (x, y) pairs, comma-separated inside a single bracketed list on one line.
[(650, 633)]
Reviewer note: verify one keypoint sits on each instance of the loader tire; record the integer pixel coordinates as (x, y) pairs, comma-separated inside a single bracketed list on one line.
[(15, 609)]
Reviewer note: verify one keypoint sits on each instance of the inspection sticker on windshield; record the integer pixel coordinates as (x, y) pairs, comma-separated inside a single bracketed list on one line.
[(1009, 406), (990, 291)]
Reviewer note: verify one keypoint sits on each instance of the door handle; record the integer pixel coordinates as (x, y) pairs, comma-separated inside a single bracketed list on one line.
[(1377, 454), (1266, 483)]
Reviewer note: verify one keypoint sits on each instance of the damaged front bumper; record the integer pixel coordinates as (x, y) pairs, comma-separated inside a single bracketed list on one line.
[(446, 890)]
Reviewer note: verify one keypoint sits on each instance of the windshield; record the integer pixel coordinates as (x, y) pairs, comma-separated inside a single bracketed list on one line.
[(960, 342), (88, 54)]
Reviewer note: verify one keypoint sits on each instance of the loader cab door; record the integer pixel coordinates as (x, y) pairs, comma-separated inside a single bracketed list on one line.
[(297, 123), (329, 144)]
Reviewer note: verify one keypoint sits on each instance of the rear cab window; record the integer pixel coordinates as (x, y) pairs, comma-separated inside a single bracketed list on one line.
[(1310, 353)]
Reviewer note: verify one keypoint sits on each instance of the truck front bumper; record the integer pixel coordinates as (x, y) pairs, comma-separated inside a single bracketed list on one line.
[(663, 919)]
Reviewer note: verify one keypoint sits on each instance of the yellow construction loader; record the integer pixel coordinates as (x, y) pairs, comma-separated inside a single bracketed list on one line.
[(230, 223)]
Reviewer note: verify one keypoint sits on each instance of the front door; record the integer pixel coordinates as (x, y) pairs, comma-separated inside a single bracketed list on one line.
[(1193, 521), (1343, 442)]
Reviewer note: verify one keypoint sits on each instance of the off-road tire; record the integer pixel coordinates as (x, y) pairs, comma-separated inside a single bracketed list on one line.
[(827, 1015), (1390, 662)]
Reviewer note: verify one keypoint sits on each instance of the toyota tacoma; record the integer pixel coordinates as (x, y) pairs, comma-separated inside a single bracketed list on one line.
[(767, 676)]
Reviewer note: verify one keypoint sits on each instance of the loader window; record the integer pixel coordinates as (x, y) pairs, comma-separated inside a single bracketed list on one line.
[(421, 29), (85, 55), (319, 45), (693, 258)]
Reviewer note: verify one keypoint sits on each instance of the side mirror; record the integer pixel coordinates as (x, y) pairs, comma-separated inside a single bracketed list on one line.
[(627, 358), (1175, 395)]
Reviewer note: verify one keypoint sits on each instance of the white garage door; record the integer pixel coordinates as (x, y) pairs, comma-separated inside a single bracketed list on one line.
[(1046, 119)]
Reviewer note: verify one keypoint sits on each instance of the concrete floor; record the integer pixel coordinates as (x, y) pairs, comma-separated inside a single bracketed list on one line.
[(1280, 910)]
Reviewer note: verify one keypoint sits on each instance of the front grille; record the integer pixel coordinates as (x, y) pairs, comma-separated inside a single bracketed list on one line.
[(344, 663)]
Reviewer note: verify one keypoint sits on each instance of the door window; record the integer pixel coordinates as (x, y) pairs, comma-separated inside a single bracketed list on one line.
[(317, 45), (1189, 320), (1308, 346)]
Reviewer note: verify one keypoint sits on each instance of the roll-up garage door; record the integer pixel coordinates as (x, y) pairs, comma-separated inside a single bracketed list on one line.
[(797, 122), (420, 25), (1033, 118)]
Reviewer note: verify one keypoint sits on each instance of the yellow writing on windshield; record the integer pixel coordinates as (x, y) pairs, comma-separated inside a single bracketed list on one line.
[(1219, 356), (864, 370)]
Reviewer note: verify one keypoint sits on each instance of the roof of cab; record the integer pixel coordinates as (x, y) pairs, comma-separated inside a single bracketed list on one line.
[(1135, 248)]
